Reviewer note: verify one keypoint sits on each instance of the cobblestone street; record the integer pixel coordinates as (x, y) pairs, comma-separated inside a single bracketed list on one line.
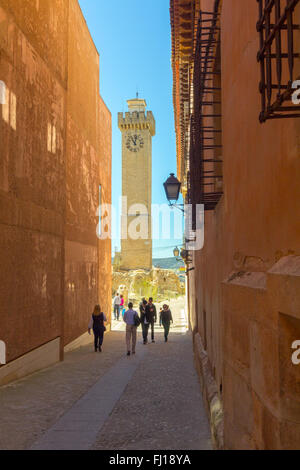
[(110, 401)]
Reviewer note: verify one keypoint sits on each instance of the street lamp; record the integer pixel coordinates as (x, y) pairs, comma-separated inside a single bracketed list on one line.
[(184, 256), (172, 188), (176, 252)]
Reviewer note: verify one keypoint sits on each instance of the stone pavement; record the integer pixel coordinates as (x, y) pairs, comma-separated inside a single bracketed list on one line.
[(110, 401), (161, 407)]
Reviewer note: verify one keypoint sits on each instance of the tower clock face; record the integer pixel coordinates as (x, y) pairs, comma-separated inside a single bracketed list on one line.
[(134, 142)]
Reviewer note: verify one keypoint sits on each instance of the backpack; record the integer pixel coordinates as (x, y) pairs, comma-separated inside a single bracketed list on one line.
[(137, 320)]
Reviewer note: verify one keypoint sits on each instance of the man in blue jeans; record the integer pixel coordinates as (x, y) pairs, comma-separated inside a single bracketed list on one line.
[(117, 301), (129, 319)]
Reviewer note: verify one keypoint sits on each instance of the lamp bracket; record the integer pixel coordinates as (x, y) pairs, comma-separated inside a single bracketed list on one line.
[(188, 270), (178, 206)]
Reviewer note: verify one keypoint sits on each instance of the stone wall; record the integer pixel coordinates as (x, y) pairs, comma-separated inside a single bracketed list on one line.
[(261, 320), (157, 283), (136, 253)]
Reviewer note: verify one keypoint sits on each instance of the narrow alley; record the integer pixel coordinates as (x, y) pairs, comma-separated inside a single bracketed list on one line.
[(111, 401), (149, 172)]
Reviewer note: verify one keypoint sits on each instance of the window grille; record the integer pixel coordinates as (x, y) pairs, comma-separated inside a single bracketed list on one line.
[(277, 54)]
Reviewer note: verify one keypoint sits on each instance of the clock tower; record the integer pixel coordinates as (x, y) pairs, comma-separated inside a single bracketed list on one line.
[(138, 128)]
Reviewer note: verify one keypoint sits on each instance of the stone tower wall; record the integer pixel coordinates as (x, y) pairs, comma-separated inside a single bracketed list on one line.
[(136, 185)]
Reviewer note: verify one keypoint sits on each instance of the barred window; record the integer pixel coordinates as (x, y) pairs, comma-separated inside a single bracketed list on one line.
[(278, 57)]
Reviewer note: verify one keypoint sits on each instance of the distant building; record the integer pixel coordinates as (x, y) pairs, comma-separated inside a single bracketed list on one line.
[(55, 167), (234, 63)]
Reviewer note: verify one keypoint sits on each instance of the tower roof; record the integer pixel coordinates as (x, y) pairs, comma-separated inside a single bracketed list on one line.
[(136, 104)]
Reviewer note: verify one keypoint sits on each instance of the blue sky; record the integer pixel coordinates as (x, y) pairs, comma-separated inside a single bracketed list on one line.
[(134, 42)]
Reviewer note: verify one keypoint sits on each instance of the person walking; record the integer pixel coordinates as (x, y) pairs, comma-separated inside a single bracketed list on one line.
[(130, 320), (121, 305), (142, 301), (152, 316), (165, 319), (97, 325), (145, 320), (117, 301)]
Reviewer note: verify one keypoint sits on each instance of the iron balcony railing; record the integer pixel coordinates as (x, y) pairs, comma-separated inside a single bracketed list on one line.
[(204, 150)]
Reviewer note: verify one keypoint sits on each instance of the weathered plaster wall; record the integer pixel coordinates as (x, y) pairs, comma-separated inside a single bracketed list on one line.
[(88, 165), (104, 250), (82, 177), (255, 225), (32, 194), (55, 150)]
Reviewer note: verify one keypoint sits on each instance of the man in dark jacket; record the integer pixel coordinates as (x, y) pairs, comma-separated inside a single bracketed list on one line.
[(151, 314), (165, 319), (142, 302), (145, 320)]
